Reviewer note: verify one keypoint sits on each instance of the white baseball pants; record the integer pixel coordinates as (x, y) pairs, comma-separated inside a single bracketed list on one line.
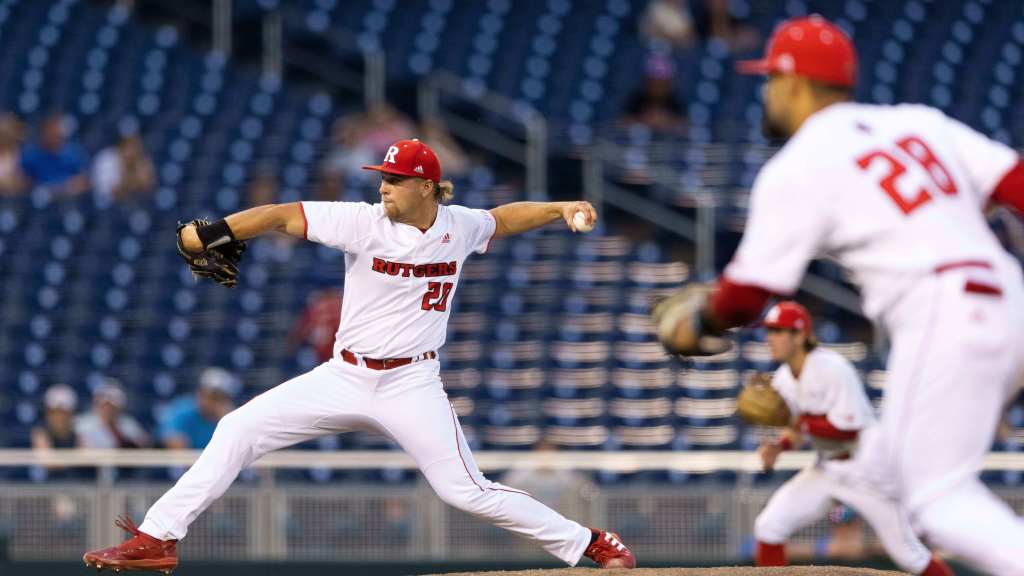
[(408, 404), (956, 358), (807, 497)]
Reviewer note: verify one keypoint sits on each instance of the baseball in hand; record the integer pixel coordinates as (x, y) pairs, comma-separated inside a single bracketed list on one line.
[(579, 220)]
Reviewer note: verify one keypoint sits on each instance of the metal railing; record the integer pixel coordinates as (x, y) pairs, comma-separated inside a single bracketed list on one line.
[(696, 461), (269, 518), (279, 50), (370, 80), (530, 152)]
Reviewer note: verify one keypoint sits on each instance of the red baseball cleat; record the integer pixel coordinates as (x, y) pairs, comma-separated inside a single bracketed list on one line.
[(608, 551), (140, 552)]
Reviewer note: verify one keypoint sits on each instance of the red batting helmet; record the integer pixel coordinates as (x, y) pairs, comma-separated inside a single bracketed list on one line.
[(811, 47)]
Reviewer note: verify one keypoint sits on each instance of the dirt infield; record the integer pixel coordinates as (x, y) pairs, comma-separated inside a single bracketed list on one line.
[(721, 571)]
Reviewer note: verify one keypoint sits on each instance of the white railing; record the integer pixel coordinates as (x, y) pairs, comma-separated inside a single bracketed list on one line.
[(697, 461)]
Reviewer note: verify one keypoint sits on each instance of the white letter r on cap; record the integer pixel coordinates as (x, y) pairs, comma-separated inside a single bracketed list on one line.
[(390, 156)]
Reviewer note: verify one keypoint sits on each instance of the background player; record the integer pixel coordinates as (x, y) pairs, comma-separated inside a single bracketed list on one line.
[(403, 258), (895, 194), (825, 395)]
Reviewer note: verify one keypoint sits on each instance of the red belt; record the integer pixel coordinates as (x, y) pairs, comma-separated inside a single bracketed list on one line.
[(973, 286), (384, 363)]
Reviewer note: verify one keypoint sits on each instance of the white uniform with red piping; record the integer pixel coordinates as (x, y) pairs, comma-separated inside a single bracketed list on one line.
[(384, 376), (895, 194), (829, 401)]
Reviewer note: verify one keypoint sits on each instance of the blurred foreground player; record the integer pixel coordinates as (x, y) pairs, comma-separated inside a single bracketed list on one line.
[(897, 195)]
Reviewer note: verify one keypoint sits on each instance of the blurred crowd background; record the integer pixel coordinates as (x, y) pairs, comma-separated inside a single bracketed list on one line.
[(121, 118)]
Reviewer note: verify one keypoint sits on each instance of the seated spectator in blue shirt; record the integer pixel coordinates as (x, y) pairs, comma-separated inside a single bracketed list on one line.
[(53, 161), (190, 421)]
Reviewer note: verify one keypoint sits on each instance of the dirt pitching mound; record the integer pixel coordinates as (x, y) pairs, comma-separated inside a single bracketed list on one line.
[(720, 571)]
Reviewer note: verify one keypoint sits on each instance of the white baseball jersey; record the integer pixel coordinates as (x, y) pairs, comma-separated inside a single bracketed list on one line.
[(828, 385), (891, 192), (399, 280)]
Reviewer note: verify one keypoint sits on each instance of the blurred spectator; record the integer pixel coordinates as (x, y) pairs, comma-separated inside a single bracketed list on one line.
[(55, 162), (262, 187), (452, 157), (382, 125), (190, 421), (106, 425), (715, 21), (846, 541), (655, 104), (122, 171), (345, 157), (318, 324), (548, 485), (668, 21), (398, 521), (58, 428), (12, 179), (358, 140)]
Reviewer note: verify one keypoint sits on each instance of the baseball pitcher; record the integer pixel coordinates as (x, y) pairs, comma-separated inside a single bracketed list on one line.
[(403, 258)]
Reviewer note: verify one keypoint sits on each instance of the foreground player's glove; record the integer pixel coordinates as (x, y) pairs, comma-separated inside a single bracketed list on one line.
[(219, 263), (760, 404), (679, 320)]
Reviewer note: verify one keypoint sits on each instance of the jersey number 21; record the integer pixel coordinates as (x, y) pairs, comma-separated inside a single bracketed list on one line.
[(916, 149), (436, 297)]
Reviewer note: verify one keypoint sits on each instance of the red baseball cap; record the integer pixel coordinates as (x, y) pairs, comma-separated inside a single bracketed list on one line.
[(790, 316), (811, 47), (410, 158)]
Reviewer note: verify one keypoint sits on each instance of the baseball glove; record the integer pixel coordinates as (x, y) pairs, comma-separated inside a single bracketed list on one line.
[(219, 263), (680, 324), (759, 403)]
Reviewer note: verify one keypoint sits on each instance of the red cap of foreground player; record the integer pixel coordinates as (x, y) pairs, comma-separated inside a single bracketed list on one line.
[(811, 47), (790, 316), (410, 158)]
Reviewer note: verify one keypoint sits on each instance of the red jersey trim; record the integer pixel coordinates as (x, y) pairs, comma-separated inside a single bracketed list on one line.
[(734, 304), (818, 425), (962, 264), (1010, 190), (305, 222)]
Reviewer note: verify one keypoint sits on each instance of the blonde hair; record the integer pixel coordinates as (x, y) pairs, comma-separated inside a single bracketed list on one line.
[(444, 190)]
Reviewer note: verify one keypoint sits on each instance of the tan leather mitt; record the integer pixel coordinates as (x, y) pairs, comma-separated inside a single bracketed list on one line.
[(760, 404)]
